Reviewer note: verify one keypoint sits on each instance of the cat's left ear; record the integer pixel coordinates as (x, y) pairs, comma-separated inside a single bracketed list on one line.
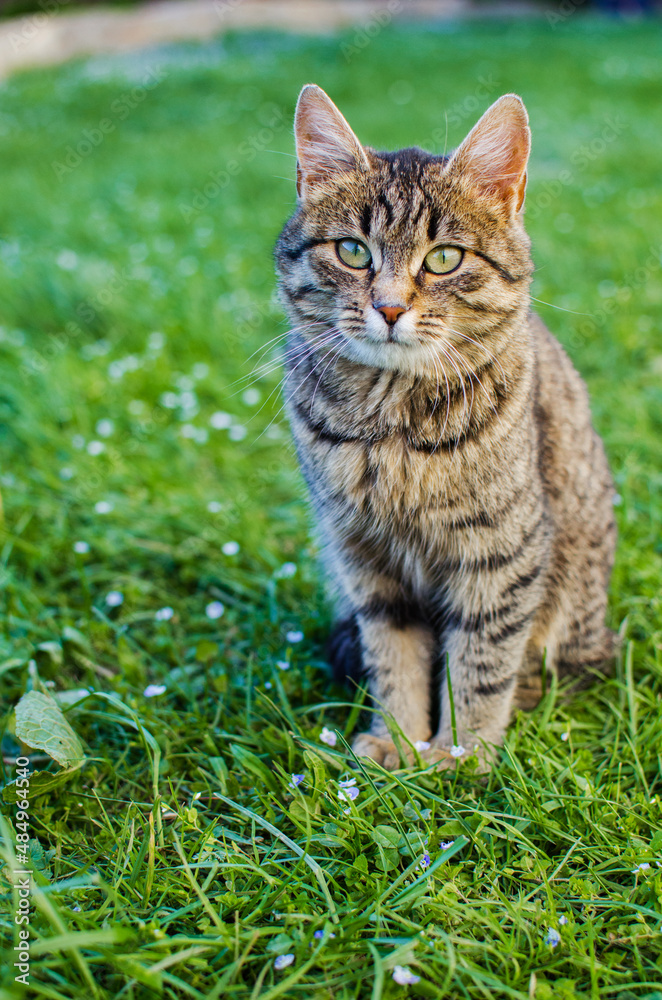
[(324, 141), (496, 151)]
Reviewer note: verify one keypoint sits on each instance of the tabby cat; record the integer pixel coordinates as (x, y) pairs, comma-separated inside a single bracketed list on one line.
[(462, 495)]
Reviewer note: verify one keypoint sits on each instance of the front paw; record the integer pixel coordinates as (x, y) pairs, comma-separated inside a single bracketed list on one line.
[(380, 749)]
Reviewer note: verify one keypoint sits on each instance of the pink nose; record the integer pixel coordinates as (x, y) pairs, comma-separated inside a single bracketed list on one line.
[(391, 313)]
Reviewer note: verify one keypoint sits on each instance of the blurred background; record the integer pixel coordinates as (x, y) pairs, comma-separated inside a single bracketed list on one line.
[(144, 181), (156, 544)]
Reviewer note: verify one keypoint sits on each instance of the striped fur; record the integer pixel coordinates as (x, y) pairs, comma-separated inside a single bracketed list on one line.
[(462, 496)]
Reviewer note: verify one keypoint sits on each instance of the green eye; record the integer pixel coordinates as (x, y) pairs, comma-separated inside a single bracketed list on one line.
[(443, 260), (353, 253)]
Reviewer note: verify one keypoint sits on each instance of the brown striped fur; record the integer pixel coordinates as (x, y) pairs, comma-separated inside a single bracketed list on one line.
[(462, 496)]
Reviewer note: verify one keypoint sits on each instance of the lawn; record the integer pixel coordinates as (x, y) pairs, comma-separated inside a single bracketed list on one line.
[(159, 573)]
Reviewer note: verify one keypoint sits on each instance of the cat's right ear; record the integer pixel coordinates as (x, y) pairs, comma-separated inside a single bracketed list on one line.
[(325, 143)]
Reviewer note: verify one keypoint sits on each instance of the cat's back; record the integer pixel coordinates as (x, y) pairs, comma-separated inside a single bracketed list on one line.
[(572, 460)]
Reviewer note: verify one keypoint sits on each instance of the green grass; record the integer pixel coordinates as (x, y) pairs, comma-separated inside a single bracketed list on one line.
[(178, 862)]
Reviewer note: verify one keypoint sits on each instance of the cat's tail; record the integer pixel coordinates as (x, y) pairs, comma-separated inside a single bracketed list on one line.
[(344, 651)]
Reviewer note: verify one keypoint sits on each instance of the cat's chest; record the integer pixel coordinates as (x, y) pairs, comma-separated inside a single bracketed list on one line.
[(389, 480)]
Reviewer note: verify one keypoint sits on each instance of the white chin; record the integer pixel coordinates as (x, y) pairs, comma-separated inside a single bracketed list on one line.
[(410, 358)]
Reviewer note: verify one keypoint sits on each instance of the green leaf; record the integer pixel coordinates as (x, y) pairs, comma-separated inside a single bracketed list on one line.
[(40, 783), (206, 651), (280, 945), (361, 864), (41, 725), (386, 836), (39, 858)]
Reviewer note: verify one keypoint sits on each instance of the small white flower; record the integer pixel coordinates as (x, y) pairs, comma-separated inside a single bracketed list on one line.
[(78, 441), (446, 844), (294, 636), (563, 921), (268, 685), (328, 737), (200, 370), (103, 507), (214, 610), (230, 548), (286, 571), (156, 341), (67, 260), (404, 976), (296, 780), (136, 407), (283, 961), (188, 431), (220, 421), (457, 751), (347, 783), (114, 599), (164, 614), (67, 473), (252, 397), (153, 690), (170, 400), (214, 507), (282, 664), (95, 447), (565, 736), (75, 909), (81, 547), (237, 433), (349, 794), (105, 428), (553, 937), (421, 745), (188, 399), (641, 868)]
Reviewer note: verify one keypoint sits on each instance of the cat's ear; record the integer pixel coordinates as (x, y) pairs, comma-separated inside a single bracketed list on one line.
[(496, 151), (325, 143)]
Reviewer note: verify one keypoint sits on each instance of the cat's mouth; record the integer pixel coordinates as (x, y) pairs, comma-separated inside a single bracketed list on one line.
[(406, 353)]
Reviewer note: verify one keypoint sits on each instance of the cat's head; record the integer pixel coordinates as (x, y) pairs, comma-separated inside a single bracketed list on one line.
[(400, 259)]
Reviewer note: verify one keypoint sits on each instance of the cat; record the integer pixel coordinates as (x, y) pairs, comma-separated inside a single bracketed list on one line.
[(462, 496)]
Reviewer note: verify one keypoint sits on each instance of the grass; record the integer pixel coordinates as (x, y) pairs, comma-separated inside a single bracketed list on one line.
[(136, 286)]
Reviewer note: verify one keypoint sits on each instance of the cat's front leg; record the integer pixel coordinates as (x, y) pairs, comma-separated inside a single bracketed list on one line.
[(485, 649), (397, 650)]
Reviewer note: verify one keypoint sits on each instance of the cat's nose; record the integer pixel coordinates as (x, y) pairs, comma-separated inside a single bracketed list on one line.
[(391, 313)]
